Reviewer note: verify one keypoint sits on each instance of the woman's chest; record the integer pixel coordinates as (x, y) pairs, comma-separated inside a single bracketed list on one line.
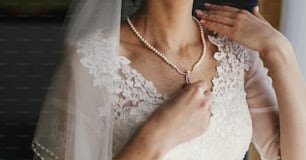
[(231, 126), (136, 99), (169, 73)]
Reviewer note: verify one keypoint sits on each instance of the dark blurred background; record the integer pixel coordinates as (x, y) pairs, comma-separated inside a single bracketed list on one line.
[(31, 36)]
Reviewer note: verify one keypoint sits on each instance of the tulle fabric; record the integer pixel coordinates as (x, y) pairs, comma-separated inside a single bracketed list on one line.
[(76, 121), (263, 106), (70, 126)]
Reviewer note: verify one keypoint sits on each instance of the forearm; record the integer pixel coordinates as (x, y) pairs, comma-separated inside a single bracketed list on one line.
[(141, 146), (290, 89)]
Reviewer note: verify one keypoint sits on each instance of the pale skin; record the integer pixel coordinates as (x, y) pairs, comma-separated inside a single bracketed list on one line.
[(164, 26)]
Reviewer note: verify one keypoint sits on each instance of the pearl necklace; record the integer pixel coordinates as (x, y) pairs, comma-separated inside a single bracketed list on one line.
[(158, 53)]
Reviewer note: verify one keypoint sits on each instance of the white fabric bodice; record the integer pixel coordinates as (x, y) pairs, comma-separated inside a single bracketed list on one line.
[(101, 87), (244, 102), (230, 130)]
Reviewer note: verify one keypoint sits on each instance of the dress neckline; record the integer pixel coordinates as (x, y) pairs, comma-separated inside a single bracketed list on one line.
[(164, 94)]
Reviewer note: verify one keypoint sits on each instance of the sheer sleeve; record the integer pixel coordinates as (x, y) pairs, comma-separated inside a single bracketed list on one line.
[(263, 107)]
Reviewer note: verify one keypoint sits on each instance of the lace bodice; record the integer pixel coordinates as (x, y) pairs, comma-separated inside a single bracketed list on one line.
[(232, 128)]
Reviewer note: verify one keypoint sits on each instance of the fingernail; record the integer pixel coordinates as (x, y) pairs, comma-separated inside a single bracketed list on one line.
[(207, 4), (256, 8), (202, 21), (199, 12)]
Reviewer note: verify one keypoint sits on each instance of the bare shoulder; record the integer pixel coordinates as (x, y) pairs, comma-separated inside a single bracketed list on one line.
[(129, 44)]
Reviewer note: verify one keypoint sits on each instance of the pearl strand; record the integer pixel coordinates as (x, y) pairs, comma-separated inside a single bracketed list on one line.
[(158, 53)]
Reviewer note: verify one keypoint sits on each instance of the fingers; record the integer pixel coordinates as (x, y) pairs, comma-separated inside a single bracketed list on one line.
[(201, 13), (208, 94), (221, 8), (221, 19), (202, 89), (199, 93), (217, 27), (226, 18), (202, 84), (258, 15), (202, 98), (230, 12)]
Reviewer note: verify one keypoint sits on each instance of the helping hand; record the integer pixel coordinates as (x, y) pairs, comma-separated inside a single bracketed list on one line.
[(183, 117), (250, 30)]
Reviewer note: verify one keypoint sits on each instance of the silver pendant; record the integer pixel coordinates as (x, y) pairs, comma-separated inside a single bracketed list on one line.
[(187, 77)]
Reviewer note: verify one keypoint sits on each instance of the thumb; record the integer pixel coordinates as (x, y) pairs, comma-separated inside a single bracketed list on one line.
[(257, 14)]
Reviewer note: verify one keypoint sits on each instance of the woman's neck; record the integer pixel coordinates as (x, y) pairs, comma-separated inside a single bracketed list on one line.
[(167, 23)]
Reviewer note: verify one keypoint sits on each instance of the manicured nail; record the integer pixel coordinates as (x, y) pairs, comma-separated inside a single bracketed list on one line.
[(199, 12), (202, 21), (207, 4), (256, 9)]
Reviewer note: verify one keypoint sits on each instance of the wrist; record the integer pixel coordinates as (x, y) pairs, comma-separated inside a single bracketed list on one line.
[(279, 59), (275, 41), (143, 145), (278, 52), (151, 134), (148, 137)]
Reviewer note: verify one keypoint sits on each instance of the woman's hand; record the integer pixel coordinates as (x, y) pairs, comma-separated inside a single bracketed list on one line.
[(250, 30), (180, 119), (183, 117)]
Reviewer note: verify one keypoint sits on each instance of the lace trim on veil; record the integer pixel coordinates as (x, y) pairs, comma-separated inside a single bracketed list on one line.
[(37, 146)]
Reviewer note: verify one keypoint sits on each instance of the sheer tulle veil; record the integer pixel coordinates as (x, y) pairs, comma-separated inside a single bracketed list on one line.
[(75, 121)]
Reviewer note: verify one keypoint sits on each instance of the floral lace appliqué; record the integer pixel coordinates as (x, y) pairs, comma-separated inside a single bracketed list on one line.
[(134, 93), (134, 99), (230, 126), (98, 56)]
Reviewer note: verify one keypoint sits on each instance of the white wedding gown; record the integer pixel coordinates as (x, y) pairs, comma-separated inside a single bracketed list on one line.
[(244, 106)]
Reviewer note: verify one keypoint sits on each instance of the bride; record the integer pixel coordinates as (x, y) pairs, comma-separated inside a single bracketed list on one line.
[(169, 89)]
